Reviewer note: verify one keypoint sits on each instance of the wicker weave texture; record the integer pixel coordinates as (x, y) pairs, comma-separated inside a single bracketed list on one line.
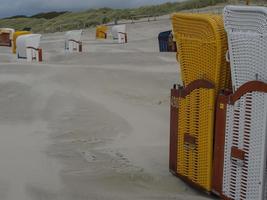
[(196, 118), (246, 130), (202, 46), (245, 19), (247, 34)]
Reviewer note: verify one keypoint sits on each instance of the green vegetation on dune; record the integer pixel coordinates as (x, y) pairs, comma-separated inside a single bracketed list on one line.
[(21, 23), (49, 15), (16, 16), (62, 21)]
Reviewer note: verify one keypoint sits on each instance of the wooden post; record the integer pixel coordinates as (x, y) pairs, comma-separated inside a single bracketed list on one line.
[(80, 47), (40, 55)]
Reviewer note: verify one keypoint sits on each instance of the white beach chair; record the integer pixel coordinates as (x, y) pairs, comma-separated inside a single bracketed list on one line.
[(246, 118), (28, 47), (73, 42), (119, 33)]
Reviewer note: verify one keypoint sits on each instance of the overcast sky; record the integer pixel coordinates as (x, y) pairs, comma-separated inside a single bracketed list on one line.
[(30, 7)]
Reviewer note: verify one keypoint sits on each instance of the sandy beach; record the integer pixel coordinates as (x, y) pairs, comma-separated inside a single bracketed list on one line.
[(91, 125)]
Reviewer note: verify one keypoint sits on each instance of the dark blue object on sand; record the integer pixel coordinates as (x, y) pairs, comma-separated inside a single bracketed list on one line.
[(166, 43)]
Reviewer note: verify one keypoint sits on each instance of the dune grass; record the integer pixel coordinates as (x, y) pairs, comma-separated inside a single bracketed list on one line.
[(76, 20)]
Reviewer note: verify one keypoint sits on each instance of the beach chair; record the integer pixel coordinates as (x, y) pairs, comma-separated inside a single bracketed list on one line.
[(119, 33), (101, 32), (240, 140), (28, 47), (6, 36), (202, 46), (73, 41)]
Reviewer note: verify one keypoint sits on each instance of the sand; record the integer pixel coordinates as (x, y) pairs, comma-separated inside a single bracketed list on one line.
[(93, 125)]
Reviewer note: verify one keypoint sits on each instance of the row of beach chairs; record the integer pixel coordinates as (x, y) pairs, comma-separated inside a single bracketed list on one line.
[(26, 45)]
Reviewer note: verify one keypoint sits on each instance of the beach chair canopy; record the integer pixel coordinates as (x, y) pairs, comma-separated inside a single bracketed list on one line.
[(246, 27), (8, 30), (6, 35), (74, 35), (24, 42), (118, 29)]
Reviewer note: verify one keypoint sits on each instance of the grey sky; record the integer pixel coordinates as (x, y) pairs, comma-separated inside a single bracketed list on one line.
[(29, 7)]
